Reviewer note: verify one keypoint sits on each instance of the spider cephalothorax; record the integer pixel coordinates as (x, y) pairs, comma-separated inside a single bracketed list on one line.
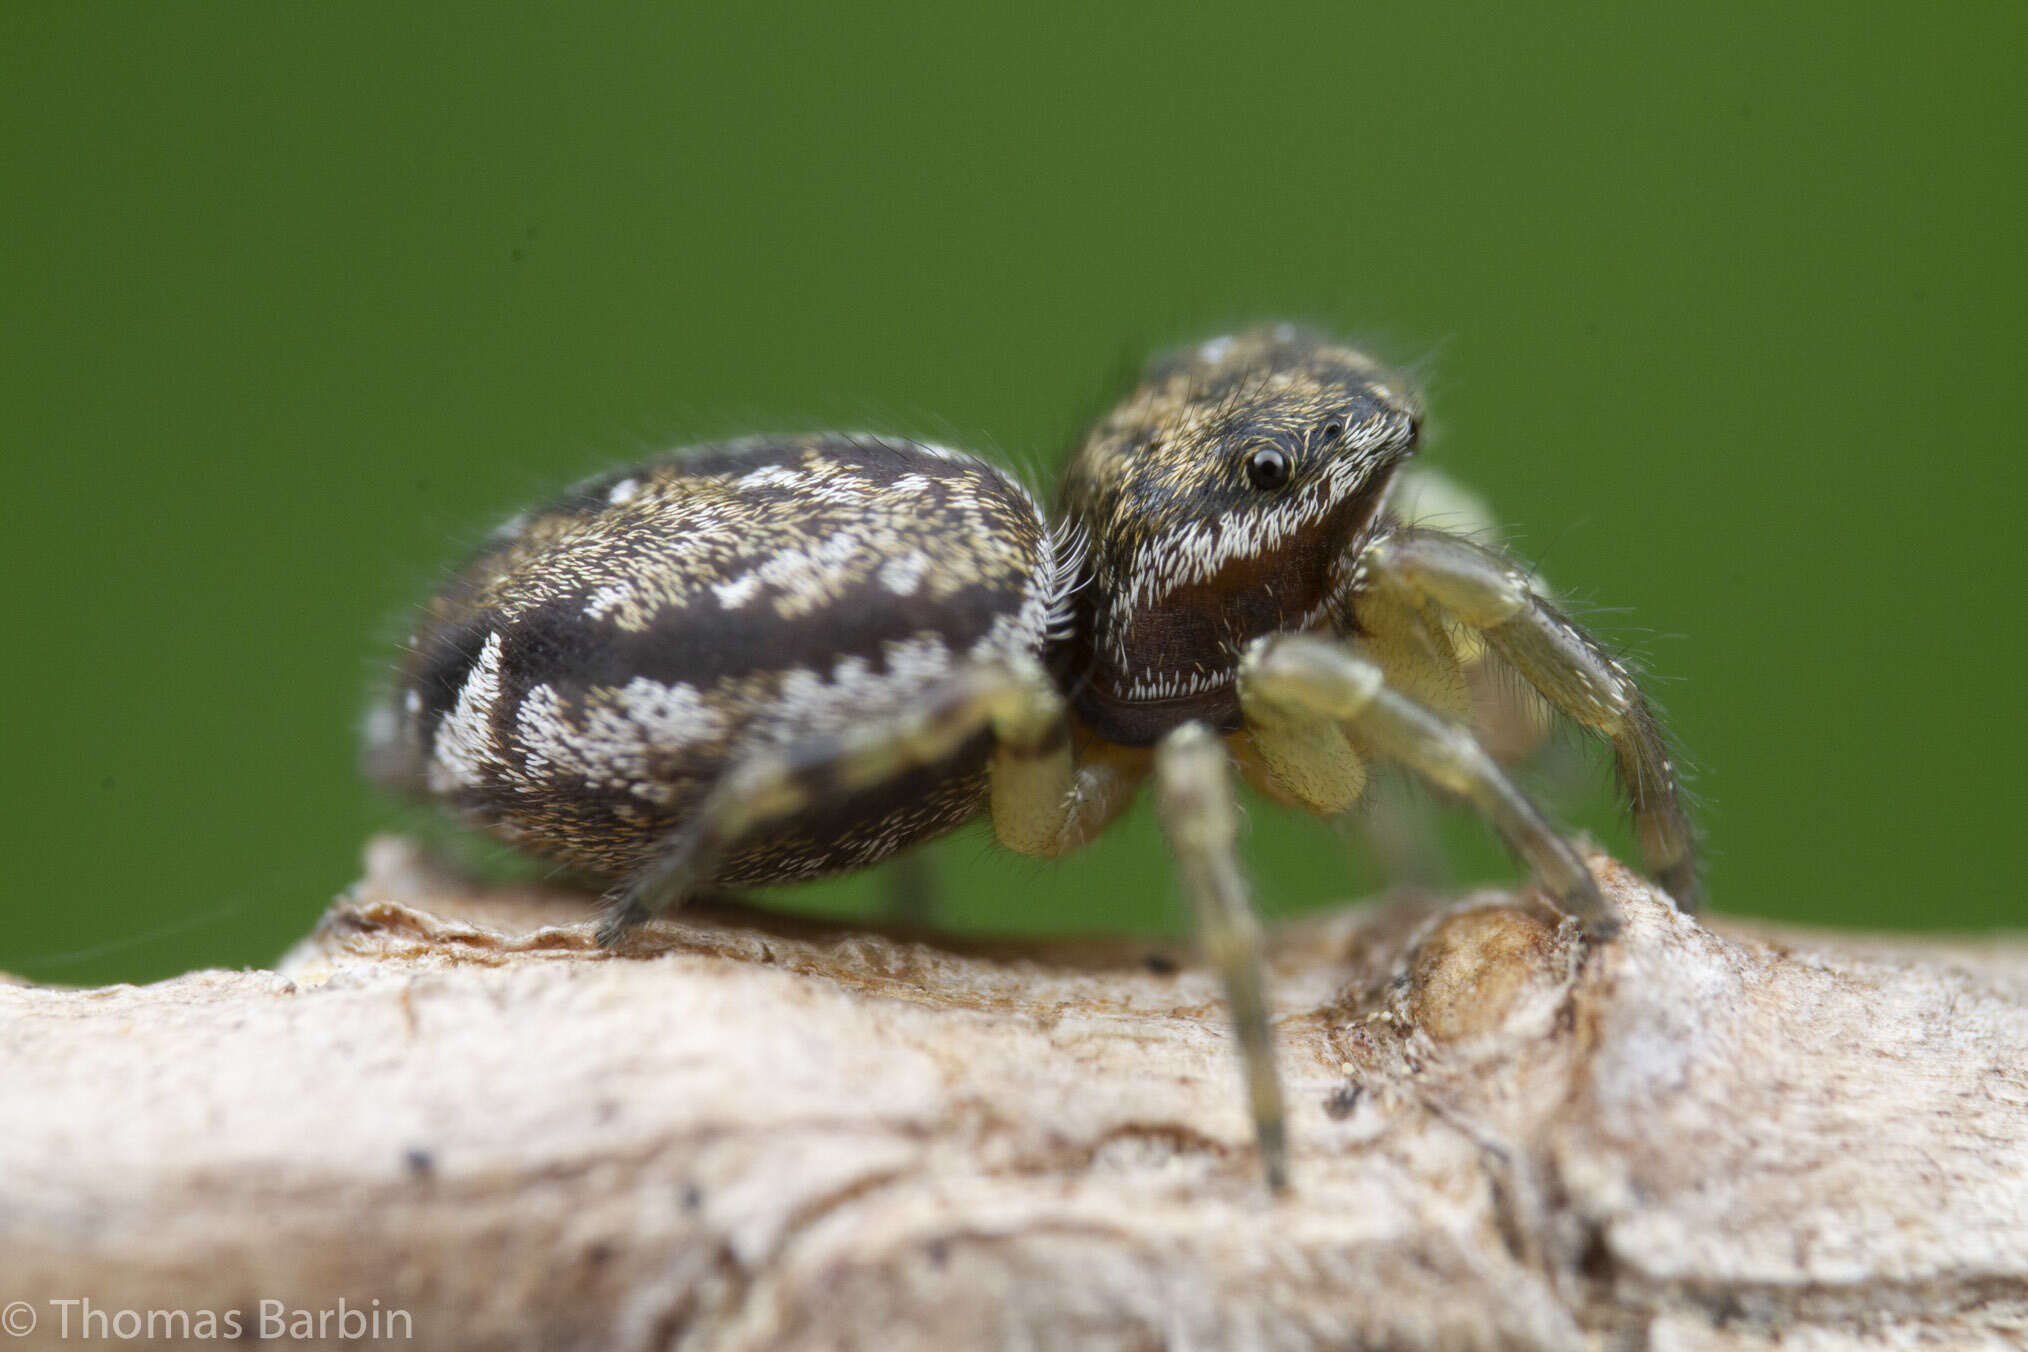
[(1220, 499), (783, 657)]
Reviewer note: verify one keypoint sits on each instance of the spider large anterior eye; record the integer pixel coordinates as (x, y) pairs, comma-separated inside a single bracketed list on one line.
[(1267, 468)]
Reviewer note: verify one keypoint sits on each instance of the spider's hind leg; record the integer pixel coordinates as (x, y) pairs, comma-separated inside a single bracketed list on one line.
[(1484, 591), (1029, 767), (910, 892)]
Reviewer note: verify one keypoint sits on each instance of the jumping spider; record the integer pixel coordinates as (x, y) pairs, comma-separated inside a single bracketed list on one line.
[(778, 658)]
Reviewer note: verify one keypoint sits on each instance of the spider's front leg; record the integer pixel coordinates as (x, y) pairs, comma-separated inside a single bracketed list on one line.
[(1302, 695), (1193, 797), (1479, 588)]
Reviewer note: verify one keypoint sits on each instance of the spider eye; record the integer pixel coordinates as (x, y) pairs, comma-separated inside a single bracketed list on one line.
[(1267, 469), (1333, 430)]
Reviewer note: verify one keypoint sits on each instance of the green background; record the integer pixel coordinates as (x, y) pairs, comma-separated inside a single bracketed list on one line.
[(1722, 307)]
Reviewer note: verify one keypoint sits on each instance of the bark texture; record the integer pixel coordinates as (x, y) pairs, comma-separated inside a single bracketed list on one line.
[(746, 1132)]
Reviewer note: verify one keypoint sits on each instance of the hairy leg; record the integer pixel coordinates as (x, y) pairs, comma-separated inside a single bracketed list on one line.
[(1485, 592), (1193, 796), (1285, 676), (909, 892), (1030, 769)]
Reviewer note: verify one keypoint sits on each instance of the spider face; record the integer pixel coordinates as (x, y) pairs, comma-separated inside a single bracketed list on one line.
[(784, 657), (1220, 499)]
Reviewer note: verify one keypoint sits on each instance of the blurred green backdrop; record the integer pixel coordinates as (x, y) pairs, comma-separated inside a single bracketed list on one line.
[(1722, 306)]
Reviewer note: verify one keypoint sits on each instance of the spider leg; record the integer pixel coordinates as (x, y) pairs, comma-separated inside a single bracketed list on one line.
[(909, 891), (1030, 768), (1193, 797), (1487, 593), (1296, 688)]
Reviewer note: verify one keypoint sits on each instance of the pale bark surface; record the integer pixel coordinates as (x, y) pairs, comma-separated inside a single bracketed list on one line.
[(749, 1133)]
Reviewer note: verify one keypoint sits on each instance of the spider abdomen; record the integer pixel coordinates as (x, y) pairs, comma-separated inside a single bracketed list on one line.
[(584, 681)]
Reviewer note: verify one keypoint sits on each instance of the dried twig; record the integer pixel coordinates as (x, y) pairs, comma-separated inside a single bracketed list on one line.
[(749, 1132)]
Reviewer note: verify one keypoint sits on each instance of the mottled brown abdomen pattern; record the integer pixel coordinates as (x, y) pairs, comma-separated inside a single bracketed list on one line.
[(588, 677)]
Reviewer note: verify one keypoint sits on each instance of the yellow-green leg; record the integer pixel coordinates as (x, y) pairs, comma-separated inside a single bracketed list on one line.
[(909, 892), (1193, 796), (1295, 688), (1034, 782), (1484, 591)]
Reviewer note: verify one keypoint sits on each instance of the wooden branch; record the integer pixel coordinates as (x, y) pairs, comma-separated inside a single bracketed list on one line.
[(749, 1132)]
